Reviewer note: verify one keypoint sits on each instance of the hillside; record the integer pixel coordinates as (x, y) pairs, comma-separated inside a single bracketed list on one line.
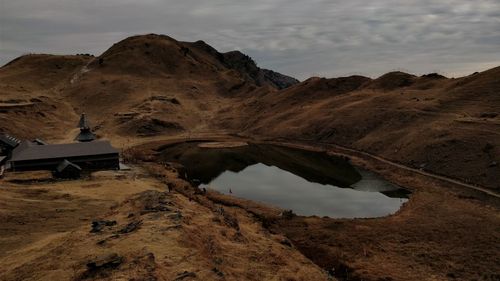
[(446, 126), (141, 86), (30, 102), (146, 86), (150, 92)]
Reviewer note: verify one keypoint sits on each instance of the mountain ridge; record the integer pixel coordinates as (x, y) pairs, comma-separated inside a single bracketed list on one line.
[(153, 85)]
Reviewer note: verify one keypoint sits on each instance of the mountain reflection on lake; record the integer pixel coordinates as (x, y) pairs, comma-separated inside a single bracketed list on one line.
[(309, 183)]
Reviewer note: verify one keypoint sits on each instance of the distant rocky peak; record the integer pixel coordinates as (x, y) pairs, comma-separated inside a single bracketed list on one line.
[(247, 67)]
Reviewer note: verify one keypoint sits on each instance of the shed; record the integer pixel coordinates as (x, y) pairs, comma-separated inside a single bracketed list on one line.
[(7, 143), (67, 170)]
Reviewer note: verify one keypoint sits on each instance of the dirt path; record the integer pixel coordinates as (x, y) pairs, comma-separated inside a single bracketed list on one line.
[(418, 171), (350, 152), (337, 149)]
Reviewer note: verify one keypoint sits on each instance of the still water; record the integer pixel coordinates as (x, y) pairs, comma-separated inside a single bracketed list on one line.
[(309, 183)]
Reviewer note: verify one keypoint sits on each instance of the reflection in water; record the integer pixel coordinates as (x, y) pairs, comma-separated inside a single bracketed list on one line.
[(309, 183)]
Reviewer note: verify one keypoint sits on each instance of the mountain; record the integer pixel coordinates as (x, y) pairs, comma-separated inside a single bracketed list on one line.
[(142, 85), (248, 68), (446, 126), (149, 86)]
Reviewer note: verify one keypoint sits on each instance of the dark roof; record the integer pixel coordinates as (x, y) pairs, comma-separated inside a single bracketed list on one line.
[(39, 142), (8, 140), (28, 151), (85, 135), (83, 123), (23, 145), (66, 164)]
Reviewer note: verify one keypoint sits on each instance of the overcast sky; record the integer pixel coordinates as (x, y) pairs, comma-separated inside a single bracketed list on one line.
[(296, 37)]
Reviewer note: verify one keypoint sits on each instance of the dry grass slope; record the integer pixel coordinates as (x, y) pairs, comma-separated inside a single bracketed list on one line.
[(154, 90)]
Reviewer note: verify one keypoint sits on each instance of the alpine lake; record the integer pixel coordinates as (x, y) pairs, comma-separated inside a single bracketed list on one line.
[(306, 182)]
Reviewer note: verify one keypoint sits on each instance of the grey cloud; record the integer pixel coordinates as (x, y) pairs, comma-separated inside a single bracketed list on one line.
[(300, 38)]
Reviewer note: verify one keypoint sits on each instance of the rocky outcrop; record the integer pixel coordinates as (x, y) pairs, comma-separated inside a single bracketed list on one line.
[(247, 67)]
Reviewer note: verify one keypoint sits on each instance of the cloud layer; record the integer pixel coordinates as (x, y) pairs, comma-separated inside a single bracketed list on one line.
[(301, 38)]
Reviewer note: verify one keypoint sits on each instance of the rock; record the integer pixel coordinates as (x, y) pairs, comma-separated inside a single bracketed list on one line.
[(185, 274), (177, 216), (104, 241), (288, 214), (165, 99), (488, 147), (451, 275), (249, 70), (152, 126), (98, 225), (286, 242), (101, 264), (112, 260), (133, 226), (488, 115), (434, 76), (153, 201), (218, 272)]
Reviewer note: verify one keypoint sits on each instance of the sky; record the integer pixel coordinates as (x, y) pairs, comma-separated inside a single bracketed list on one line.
[(327, 38)]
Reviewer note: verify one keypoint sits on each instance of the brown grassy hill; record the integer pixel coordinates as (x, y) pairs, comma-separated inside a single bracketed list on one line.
[(447, 126), (142, 86), (392, 80), (29, 94), (155, 91), (153, 85)]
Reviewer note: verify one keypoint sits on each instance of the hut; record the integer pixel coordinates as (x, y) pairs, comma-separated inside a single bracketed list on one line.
[(99, 155), (7, 144), (67, 170)]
